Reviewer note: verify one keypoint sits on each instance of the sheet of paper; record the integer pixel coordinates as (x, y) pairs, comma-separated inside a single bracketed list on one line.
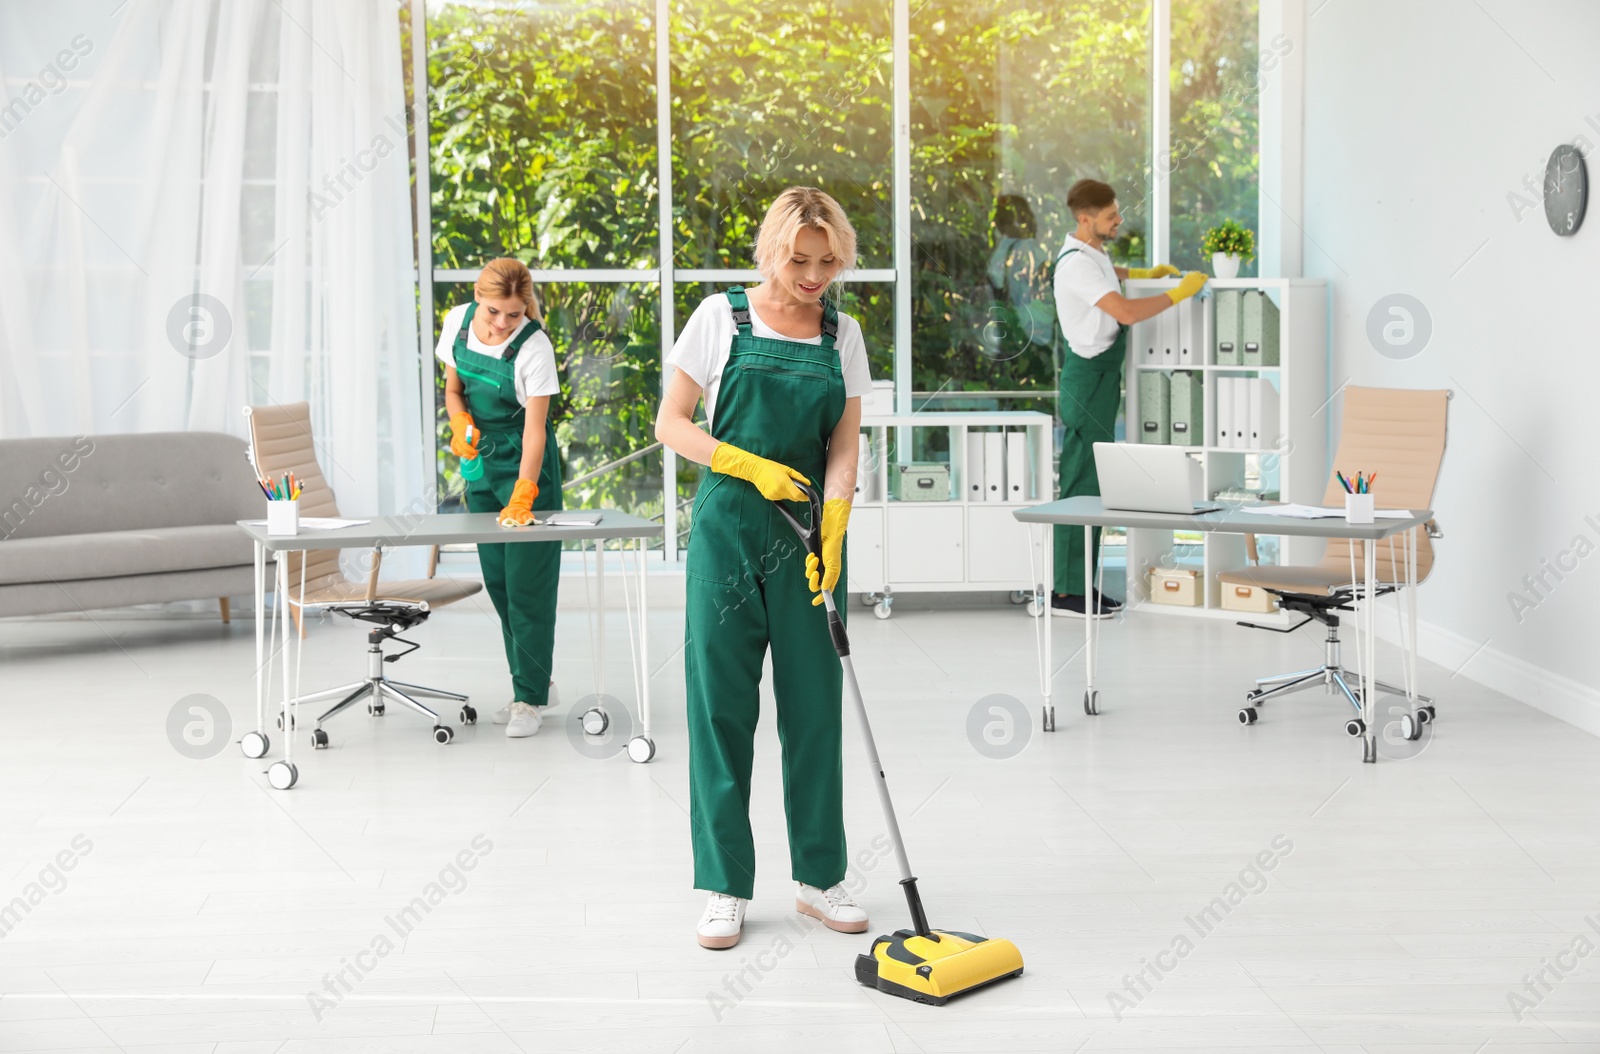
[(317, 523), (1318, 512), (572, 518)]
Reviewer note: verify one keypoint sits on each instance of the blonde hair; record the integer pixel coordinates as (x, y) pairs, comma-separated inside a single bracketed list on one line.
[(505, 278), (794, 210)]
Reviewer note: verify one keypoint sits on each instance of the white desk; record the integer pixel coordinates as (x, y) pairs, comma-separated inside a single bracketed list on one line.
[(1089, 512), (432, 529)]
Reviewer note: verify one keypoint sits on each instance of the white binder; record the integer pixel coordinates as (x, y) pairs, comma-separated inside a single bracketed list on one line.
[(994, 466), (972, 478), (1225, 411), (866, 472), (1241, 412), (1147, 341), (1189, 332), (1017, 466), (1263, 414), (1169, 337)]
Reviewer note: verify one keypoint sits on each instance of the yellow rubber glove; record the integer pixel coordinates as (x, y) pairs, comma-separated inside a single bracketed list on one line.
[(1189, 286), (835, 517), (519, 513), (462, 445), (774, 481), (1158, 271)]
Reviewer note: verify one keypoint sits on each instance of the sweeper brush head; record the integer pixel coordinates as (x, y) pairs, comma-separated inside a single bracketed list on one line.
[(935, 968)]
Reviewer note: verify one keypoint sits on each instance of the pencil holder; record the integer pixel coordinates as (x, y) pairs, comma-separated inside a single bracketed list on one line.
[(283, 518), (1358, 508)]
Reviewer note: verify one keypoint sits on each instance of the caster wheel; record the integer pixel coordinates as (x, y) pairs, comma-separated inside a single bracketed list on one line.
[(868, 599), (1091, 702), (319, 739), (282, 775), (375, 709), (1048, 722), (1426, 714), (1251, 697), (1411, 726), (1036, 607), (254, 744), (280, 723), (1019, 596), (469, 716), (595, 721), (641, 750), (1247, 715), (882, 610), (1355, 727), (443, 734)]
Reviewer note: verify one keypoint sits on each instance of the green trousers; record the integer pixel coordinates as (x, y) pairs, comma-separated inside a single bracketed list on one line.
[(747, 592), (1091, 393)]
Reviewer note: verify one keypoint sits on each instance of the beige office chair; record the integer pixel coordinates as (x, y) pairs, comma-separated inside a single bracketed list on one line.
[(1399, 435), (280, 442)]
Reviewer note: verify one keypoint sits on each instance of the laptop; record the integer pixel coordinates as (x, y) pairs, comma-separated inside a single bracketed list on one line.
[(1145, 477)]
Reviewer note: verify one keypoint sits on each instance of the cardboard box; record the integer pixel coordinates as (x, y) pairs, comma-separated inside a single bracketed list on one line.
[(1176, 586)]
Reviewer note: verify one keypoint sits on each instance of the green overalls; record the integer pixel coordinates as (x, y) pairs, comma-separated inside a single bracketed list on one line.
[(521, 579), (746, 591), (1091, 391)]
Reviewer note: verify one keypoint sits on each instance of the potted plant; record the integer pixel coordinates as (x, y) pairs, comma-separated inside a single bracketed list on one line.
[(1229, 244)]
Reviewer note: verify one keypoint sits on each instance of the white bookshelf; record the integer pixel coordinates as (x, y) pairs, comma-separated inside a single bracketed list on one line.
[(1297, 464), (960, 545)]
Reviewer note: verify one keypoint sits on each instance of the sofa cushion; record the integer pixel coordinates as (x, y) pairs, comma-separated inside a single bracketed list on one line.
[(107, 554)]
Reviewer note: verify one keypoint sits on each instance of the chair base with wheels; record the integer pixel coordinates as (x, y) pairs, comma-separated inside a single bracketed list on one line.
[(1331, 674), (378, 688)]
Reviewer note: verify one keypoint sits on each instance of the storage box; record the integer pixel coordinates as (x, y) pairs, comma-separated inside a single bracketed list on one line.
[(1155, 407), (1236, 597), (1176, 586), (1188, 403), (922, 481)]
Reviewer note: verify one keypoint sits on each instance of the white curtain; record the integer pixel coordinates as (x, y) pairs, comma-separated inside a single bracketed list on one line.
[(206, 204)]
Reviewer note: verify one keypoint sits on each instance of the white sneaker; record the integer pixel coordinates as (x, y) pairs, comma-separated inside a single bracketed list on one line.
[(525, 721), (723, 921), (503, 715), (833, 906)]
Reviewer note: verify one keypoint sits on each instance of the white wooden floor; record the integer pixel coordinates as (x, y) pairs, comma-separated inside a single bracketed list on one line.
[(203, 910)]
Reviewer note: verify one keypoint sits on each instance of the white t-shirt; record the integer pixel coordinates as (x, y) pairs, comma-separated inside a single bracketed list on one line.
[(702, 349), (536, 362), (1081, 280)]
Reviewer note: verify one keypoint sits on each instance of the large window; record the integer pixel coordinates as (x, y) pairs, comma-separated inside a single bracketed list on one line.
[(544, 125)]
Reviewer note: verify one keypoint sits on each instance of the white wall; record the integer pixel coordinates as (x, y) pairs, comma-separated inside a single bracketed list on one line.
[(1421, 118)]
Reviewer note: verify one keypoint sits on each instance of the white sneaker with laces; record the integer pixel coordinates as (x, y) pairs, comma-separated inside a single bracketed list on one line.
[(525, 721), (723, 921), (835, 908), (503, 715)]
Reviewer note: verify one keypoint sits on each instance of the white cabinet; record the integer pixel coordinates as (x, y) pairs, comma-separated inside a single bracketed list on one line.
[(998, 553), (1292, 463), (925, 543), (970, 542), (864, 550)]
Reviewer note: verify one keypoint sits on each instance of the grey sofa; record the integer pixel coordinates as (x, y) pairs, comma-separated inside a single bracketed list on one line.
[(111, 520)]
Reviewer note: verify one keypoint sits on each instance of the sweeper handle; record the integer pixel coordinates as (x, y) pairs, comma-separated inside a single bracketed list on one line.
[(811, 537)]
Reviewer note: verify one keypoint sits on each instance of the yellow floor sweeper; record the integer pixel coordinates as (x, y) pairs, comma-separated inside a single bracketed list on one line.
[(922, 964)]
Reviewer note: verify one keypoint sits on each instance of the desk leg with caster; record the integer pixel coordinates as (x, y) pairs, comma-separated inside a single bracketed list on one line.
[(1369, 653), (641, 748), (255, 744), (282, 774), (1091, 608)]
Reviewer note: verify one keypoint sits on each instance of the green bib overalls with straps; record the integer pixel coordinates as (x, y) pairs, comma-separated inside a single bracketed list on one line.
[(1090, 392), (521, 580), (746, 591)]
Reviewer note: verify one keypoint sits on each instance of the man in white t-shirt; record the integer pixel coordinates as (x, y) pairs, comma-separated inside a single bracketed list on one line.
[(1094, 318)]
